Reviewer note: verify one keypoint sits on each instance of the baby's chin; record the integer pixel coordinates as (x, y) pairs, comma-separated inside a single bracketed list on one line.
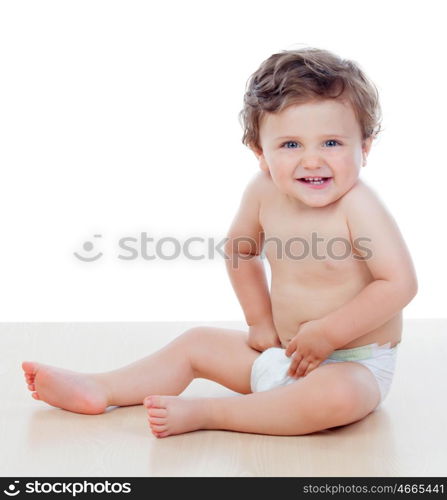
[(300, 202), (317, 201)]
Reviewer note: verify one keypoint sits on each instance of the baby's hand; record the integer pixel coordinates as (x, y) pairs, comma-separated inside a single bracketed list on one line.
[(263, 336), (310, 346)]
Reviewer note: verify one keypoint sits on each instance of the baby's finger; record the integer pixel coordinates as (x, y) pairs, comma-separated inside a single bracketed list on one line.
[(296, 359), (301, 370), (311, 367), (291, 347)]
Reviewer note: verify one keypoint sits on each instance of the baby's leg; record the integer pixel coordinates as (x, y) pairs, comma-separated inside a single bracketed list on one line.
[(217, 354), (329, 396)]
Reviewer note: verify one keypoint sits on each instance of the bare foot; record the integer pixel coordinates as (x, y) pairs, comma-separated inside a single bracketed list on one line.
[(72, 391), (169, 415)]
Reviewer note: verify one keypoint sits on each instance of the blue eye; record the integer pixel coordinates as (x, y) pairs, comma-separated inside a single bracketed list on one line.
[(332, 140), (289, 142)]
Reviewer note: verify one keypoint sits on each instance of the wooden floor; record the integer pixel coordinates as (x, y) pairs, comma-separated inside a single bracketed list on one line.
[(406, 436)]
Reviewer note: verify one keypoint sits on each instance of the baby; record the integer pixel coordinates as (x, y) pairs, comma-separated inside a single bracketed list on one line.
[(321, 344)]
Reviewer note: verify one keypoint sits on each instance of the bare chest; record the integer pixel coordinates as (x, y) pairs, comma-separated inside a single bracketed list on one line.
[(311, 248)]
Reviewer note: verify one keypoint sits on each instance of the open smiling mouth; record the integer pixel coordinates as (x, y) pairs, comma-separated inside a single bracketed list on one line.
[(315, 182)]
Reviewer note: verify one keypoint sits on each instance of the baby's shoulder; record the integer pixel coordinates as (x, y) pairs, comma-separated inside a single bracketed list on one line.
[(263, 179), (360, 197), (261, 185)]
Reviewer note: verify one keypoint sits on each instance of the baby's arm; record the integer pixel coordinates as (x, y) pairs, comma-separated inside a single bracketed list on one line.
[(246, 270), (395, 282)]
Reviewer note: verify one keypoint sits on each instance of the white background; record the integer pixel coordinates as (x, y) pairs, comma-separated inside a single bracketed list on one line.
[(119, 118)]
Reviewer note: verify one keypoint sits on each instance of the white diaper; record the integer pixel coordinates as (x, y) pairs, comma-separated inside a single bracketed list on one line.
[(270, 368)]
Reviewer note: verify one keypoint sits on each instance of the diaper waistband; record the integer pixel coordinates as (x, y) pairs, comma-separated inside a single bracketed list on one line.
[(361, 352)]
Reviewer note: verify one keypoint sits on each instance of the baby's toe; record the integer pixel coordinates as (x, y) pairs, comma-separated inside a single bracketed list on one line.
[(162, 434), (29, 367), (158, 428), (157, 421), (154, 402), (35, 395), (157, 412), (157, 402)]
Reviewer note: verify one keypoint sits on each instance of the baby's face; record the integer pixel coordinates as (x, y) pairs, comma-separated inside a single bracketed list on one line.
[(315, 139)]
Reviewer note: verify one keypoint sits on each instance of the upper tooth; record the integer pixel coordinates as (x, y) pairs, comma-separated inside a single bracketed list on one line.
[(313, 178)]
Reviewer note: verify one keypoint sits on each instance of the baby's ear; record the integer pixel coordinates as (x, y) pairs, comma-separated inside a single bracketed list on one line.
[(366, 146), (257, 151)]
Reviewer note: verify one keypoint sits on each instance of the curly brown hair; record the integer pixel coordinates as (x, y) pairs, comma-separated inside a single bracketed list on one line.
[(298, 76)]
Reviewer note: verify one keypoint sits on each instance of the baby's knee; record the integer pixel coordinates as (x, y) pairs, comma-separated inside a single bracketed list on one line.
[(195, 334), (196, 339), (336, 398), (340, 399)]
